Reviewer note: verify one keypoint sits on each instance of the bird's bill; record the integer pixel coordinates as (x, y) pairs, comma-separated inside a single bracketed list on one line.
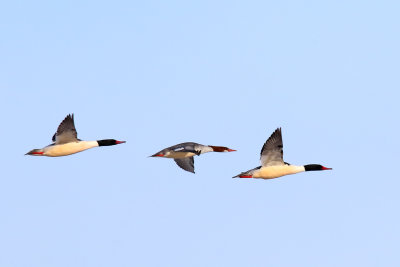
[(119, 142)]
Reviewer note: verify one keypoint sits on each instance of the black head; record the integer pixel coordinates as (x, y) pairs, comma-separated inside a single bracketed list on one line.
[(315, 167), (109, 142)]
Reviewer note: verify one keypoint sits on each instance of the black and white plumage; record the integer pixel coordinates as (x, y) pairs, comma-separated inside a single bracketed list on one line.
[(272, 164), (66, 141)]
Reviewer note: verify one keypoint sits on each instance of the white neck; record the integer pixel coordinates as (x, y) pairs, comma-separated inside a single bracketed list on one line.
[(205, 149)]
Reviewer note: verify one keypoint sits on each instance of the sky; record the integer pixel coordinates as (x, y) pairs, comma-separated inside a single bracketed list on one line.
[(226, 73)]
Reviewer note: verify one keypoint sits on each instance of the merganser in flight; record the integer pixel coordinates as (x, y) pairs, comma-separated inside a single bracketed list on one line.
[(66, 141), (183, 153), (272, 164)]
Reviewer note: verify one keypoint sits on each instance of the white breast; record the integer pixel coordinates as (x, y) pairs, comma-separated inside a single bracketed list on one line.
[(68, 148), (271, 172)]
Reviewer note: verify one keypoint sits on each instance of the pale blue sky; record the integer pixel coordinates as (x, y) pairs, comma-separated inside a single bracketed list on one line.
[(215, 72)]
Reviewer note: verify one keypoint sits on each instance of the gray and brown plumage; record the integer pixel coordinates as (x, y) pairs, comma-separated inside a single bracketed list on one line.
[(183, 153)]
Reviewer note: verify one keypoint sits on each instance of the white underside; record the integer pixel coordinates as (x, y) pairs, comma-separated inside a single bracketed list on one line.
[(179, 155), (271, 172), (68, 148)]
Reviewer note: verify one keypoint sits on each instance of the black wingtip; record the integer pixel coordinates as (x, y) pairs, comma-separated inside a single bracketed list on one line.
[(68, 117), (277, 132)]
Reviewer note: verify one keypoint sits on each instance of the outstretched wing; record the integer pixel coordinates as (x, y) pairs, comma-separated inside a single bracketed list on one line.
[(66, 131), (186, 163), (272, 151)]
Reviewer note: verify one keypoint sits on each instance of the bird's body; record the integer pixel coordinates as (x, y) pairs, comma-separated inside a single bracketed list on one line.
[(66, 141), (271, 172), (68, 148), (184, 150), (272, 164), (183, 153), (179, 155)]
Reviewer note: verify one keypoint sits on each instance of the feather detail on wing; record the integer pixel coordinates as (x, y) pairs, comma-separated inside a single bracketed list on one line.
[(186, 163), (272, 151), (66, 131)]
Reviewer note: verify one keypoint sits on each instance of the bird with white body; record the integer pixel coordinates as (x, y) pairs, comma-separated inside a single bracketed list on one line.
[(66, 141), (272, 164)]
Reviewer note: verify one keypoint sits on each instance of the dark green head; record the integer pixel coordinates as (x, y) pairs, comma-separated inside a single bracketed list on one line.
[(109, 142)]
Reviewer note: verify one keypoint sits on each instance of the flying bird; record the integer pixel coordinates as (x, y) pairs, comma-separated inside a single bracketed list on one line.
[(272, 164), (66, 141), (183, 153)]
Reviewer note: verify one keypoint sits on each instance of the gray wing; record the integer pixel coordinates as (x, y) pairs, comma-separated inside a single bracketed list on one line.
[(186, 163), (185, 147), (66, 131), (272, 150)]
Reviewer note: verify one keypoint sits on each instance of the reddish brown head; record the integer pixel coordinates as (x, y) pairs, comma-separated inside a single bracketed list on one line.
[(221, 149)]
